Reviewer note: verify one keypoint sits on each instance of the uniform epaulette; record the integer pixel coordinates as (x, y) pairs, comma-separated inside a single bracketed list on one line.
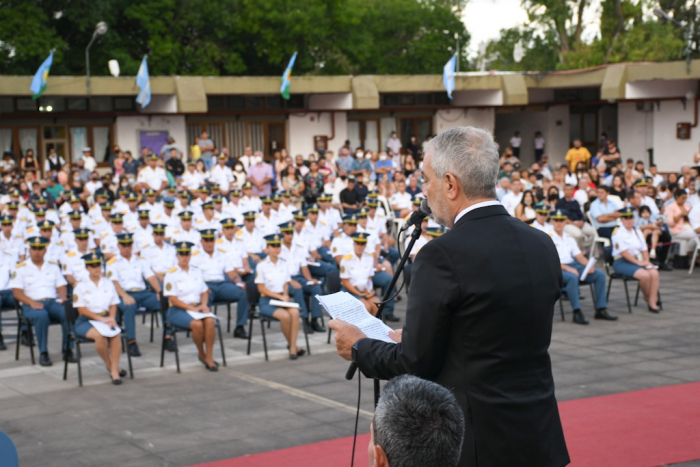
[(20, 264), (111, 260), (347, 257), (322, 223), (200, 221), (299, 245), (59, 243), (550, 234), (53, 262), (30, 229), (70, 254), (221, 250), (615, 230), (145, 246), (239, 233), (97, 222), (18, 236), (173, 269), (257, 216), (177, 231), (219, 240), (195, 253), (158, 216)]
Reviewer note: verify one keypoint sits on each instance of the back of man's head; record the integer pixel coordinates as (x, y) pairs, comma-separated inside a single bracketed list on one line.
[(417, 423)]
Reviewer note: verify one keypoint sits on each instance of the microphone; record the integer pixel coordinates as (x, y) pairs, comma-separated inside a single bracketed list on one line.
[(418, 216)]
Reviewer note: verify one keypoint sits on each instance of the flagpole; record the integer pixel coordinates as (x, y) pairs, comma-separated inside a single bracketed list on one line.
[(457, 65)]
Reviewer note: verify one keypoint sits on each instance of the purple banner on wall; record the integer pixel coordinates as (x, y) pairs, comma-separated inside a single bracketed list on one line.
[(153, 140)]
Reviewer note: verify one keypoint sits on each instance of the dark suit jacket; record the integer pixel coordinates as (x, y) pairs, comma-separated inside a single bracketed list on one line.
[(479, 322)]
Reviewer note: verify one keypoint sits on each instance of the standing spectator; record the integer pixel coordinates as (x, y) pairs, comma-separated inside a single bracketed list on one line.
[(577, 154), (393, 146), (300, 166), (152, 176), (131, 165), (409, 165), (384, 168), (8, 163), (611, 155), (93, 184), (166, 152), (195, 151), (28, 165), (345, 161), (206, 146), (52, 188), (53, 162), (174, 164), (90, 162), (221, 174), (260, 176), (334, 187), (515, 142), (113, 156), (313, 183), (412, 148), (539, 144), (247, 158), (656, 177), (293, 183), (83, 173), (330, 162)]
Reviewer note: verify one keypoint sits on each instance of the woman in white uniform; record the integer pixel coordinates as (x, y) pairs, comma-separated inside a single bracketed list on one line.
[(96, 299), (273, 281), (631, 258), (187, 291)]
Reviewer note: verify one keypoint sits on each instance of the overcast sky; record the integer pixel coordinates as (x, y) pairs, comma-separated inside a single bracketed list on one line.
[(485, 18)]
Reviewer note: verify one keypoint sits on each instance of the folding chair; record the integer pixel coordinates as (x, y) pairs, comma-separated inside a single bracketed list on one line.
[(22, 321), (604, 242), (695, 256), (561, 299), (254, 302), (71, 316), (175, 329), (215, 307)]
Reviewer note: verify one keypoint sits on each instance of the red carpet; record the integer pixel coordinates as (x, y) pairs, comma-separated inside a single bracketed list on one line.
[(650, 428)]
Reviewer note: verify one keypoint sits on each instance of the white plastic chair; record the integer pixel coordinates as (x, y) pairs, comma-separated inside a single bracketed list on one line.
[(604, 242), (695, 256)]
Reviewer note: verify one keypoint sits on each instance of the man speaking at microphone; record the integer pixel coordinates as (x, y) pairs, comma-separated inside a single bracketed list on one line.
[(479, 319)]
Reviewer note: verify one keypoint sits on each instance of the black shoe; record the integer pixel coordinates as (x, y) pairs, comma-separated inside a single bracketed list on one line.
[(240, 332), (301, 352), (665, 267), (579, 317), (213, 368), (115, 382), (603, 314), (25, 339), (45, 360), (293, 357), (134, 350), (68, 356), (307, 326), (122, 373), (654, 310), (391, 318), (317, 326), (170, 345), (2, 343)]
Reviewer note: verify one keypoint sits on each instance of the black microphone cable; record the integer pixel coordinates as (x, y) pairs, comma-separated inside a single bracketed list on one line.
[(357, 417)]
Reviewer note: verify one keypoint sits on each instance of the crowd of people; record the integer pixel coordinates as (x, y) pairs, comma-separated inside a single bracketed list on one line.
[(202, 226)]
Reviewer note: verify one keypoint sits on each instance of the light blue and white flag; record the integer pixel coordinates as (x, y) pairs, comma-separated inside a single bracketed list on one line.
[(41, 77), (143, 81), (448, 75), (287, 78)]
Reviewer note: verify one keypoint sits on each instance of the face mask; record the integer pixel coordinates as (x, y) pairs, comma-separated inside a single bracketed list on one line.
[(131, 180), (553, 197), (359, 154), (368, 156), (257, 160), (382, 158), (239, 168), (8, 179), (365, 180), (528, 202)]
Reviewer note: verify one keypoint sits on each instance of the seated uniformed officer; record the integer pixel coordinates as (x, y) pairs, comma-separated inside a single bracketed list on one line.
[(128, 272), (253, 240), (96, 299), (273, 281), (295, 255), (11, 243), (159, 254), (54, 249), (215, 264), (41, 289), (143, 233), (572, 265), (356, 271), (541, 215), (186, 233), (235, 249), (109, 245), (72, 263), (302, 237), (342, 245), (186, 290), (631, 258)]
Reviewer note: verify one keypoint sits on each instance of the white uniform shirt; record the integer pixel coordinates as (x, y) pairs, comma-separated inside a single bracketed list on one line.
[(510, 201), (14, 245), (36, 283), (192, 180), (187, 286), (212, 266), (273, 275), (201, 223), (5, 271), (73, 265), (96, 298), (160, 258), (267, 225), (331, 218), (401, 200), (649, 201), (295, 256), (377, 224), (221, 176), (181, 235), (630, 241), (546, 228), (250, 204), (342, 245), (358, 271), (566, 247), (319, 233), (130, 274), (253, 242), (420, 243), (142, 238), (284, 213), (235, 250), (153, 177)]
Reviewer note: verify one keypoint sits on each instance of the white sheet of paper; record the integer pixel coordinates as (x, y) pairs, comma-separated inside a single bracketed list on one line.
[(313, 263), (347, 308), (105, 330), (588, 268), (199, 315), (282, 304)]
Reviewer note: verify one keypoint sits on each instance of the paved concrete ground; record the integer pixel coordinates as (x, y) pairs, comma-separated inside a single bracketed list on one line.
[(165, 419)]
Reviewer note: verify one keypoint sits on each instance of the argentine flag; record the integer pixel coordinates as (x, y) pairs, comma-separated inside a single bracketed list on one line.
[(448, 75), (40, 78), (143, 81), (286, 76)]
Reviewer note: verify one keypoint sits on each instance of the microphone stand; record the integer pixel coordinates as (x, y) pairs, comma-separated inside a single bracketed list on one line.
[(417, 231)]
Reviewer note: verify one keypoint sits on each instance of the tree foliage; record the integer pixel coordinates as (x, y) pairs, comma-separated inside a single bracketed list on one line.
[(554, 38), (231, 37)]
